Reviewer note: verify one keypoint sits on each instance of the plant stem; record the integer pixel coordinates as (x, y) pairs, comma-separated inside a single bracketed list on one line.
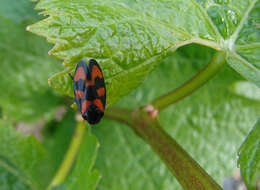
[(119, 114), (191, 85), (187, 171), (70, 155)]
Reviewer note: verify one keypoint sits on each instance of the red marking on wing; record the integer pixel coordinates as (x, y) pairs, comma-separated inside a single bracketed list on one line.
[(89, 82), (98, 103), (96, 73), (80, 74), (101, 91), (84, 106), (79, 94)]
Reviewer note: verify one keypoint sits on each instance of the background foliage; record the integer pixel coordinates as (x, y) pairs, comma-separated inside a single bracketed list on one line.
[(249, 157), (25, 65), (129, 44)]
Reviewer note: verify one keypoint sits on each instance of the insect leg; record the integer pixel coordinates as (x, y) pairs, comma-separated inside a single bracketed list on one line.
[(70, 76)]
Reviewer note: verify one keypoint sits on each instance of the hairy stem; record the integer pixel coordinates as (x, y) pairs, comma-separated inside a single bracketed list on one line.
[(191, 85), (70, 155), (187, 171)]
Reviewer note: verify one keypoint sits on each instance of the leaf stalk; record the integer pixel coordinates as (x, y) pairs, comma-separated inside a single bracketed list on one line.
[(70, 155), (193, 84)]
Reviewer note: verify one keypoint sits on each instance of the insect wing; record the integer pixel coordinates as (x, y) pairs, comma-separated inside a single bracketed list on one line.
[(79, 79), (99, 82)]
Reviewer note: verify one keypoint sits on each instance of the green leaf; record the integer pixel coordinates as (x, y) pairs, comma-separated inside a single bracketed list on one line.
[(19, 156), (249, 158), (26, 164), (130, 38), (210, 125), (83, 175), (237, 23), (246, 89), (11, 182), (25, 65)]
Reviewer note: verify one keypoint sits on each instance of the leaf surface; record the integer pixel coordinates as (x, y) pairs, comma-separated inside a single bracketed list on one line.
[(130, 38), (20, 156), (249, 158), (10, 181), (26, 164), (25, 65), (246, 89)]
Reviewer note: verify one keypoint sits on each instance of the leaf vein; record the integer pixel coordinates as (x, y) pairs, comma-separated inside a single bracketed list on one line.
[(239, 28)]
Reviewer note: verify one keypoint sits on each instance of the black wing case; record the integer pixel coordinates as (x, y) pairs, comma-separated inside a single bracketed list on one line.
[(99, 82)]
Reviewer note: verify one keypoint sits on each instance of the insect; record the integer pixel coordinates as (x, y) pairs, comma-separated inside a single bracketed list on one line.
[(89, 90)]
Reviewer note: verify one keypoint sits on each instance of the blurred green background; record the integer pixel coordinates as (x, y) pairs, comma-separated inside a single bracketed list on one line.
[(210, 124)]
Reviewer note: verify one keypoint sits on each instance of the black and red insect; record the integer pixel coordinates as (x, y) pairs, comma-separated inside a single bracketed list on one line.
[(89, 90)]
